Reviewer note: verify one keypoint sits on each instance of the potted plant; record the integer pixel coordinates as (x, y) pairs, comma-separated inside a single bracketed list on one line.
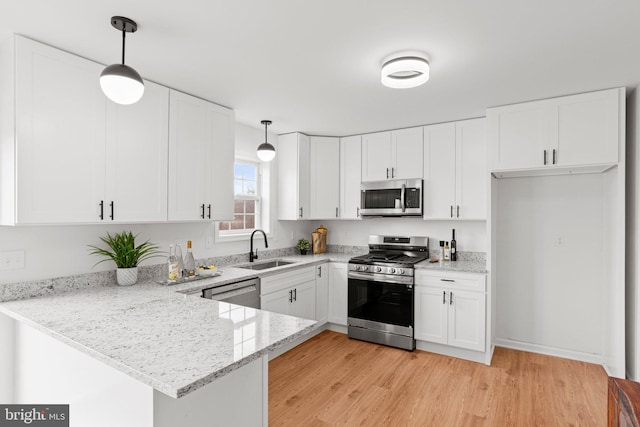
[(124, 252), (303, 245)]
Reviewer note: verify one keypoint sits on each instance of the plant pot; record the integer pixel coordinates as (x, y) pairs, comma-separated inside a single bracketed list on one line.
[(303, 251), (127, 276)]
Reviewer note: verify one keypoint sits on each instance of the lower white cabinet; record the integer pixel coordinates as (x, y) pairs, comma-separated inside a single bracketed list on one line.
[(322, 293), (338, 293), (292, 293), (450, 309)]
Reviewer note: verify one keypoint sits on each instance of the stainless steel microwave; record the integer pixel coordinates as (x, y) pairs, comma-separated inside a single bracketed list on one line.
[(391, 198)]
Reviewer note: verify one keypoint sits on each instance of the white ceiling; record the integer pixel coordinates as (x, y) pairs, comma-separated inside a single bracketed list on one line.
[(313, 66)]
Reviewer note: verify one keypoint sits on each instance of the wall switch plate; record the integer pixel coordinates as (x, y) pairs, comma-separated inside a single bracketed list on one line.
[(208, 242), (11, 260)]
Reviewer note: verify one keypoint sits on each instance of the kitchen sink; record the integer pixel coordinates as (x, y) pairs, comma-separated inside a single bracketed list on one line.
[(266, 264)]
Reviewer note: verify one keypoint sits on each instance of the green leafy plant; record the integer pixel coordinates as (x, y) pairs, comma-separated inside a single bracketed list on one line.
[(124, 251), (303, 245)]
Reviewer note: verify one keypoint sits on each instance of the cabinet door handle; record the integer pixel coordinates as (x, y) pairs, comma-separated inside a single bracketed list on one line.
[(544, 157), (450, 298), (111, 216), (457, 211), (336, 212), (319, 271), (357, 212), (101, 209), (444, 297), (447, 280), (209, 207), (301, 211), (291, 295), (202, 214), (554, 156), (451, 211), (295, 294), (393, 172), (387, 173)]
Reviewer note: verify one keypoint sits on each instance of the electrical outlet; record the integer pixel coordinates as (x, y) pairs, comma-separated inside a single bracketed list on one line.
[(11, 260), (208, 242), (560, 242)]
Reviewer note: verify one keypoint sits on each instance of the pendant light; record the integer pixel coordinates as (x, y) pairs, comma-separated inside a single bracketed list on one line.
[(121, 83), (266, 151)]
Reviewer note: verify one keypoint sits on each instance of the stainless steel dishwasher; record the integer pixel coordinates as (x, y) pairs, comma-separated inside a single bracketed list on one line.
[(245, 292)]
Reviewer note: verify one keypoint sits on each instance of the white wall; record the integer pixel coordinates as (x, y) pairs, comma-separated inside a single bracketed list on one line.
[(54, 251), (470, 235), (633, 237), (551, 266)]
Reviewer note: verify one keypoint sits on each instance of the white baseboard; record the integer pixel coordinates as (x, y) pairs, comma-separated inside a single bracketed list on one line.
[(551, 351), (460, 353)]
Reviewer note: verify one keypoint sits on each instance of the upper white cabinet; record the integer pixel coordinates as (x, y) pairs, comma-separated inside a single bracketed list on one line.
[(392, 155), (455, 170), (137, 147), (324, 177), (201, 153), (293, 177), (350, 176), (577, 130), (59, 142)]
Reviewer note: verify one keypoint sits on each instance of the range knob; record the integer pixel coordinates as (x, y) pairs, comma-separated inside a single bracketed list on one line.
[(401, 271), (364, 268), (392, 270), (378, 269)]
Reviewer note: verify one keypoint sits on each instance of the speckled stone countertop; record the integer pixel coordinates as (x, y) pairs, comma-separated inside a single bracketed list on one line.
[(470, 266), (160, 335)]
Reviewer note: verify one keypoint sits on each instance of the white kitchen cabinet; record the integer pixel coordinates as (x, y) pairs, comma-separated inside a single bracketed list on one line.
[(292, 293), (350, 176), (58, 149), (455, 170), (324, 177), (137, 149), (322, 293), (392, 155), (201, 156), (338, 291), (570, 131), (450, 309), (293, 177)]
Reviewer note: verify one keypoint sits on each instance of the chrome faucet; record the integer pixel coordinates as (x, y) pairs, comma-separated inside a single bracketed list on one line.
[(253, 256)]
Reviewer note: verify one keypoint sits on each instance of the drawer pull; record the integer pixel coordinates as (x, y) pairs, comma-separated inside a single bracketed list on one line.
[(447, 280)]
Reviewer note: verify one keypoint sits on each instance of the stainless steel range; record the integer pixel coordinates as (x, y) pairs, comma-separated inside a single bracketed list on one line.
[(380, 297)]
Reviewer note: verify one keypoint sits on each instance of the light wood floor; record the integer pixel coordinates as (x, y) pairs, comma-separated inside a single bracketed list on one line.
[(332, 380)]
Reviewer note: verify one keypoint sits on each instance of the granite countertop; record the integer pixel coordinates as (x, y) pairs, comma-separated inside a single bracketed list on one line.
[(470, 266), (161, 335), (166, 336)]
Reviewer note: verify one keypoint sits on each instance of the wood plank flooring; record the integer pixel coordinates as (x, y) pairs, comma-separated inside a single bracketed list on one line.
[(331, 380)]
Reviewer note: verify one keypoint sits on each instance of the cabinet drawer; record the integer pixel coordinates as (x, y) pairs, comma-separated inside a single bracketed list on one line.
[(465, 281), (286, 280)]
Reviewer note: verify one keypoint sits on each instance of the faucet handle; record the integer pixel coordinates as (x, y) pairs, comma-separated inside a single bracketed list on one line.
[(255, 256)]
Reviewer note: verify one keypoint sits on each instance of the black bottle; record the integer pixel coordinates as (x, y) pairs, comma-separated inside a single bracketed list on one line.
[(454, 253)]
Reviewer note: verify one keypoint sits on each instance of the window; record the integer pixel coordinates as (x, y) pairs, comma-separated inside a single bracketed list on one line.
[(247, 191)]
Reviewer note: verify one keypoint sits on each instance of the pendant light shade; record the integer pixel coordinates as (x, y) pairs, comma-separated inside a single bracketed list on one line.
[(266, 151), (119, 82)]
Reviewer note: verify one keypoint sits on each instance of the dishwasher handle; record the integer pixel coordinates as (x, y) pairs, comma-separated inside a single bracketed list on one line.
[(221, 292)]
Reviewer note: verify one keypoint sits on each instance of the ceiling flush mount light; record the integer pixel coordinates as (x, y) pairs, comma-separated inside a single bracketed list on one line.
[(121, 83), (266, 151), (405, 72)]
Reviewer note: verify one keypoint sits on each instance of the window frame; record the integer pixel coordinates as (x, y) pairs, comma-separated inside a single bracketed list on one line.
[(243, 234)]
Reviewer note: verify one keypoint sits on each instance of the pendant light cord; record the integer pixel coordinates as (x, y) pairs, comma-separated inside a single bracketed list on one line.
[(265, 132), (124, 32)]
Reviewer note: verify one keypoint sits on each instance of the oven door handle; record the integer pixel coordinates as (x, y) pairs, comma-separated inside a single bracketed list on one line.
[(404, 189), (400, 280)]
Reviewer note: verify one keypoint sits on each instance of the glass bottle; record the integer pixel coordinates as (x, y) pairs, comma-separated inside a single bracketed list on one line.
[(180, 260), (189, 262), (172, 265)]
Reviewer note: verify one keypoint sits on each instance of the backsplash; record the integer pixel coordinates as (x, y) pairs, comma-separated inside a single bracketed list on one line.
[(156, 272)]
